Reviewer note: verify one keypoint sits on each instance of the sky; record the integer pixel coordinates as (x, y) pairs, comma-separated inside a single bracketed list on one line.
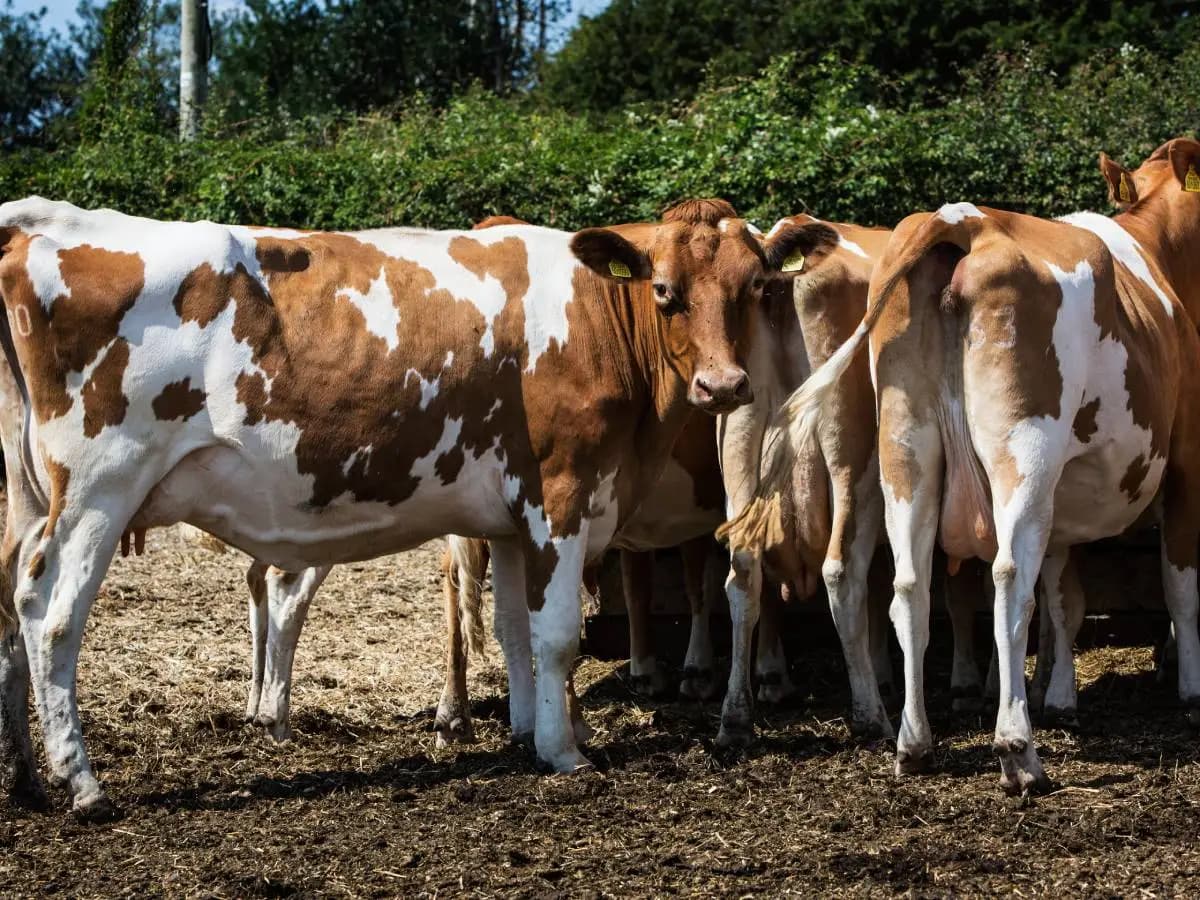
[(61, 13)]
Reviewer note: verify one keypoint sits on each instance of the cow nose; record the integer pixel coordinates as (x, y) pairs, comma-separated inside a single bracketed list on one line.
[(720, 390)]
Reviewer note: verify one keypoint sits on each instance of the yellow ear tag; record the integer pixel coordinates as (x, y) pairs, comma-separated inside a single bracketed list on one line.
[(1191, 181), (619, 269), (1123, 192), (793, 263)]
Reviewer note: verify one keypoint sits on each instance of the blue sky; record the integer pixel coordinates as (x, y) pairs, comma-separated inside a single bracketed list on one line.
[(60, 13)]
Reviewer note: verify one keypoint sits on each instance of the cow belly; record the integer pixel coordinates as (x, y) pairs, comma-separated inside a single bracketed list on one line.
[(669, 515), (252, 508), (1102, 494)]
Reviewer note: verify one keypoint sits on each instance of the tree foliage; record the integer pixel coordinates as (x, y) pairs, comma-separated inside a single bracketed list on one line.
[(796, 137), (39, 75), (310, 57), (665, 49)]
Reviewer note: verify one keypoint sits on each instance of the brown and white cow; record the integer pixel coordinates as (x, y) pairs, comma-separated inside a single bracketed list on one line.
[(832, 505), (1038, 386), (315, 398)]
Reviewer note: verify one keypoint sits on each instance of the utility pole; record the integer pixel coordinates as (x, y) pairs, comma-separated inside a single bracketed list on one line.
[(193, 66)]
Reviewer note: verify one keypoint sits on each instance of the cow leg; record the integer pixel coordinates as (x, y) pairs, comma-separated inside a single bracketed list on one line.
[(1045, 651), (845, 584), (256, 579), (743, 587), (1064, 609), (912, 528), (288, 597), (637, 576), (1180, 536), (583, 731), (554, 625), (698, 681), (770, 665), (511, 625), (1021, 543), (453, 719), (18, 770), (878, 599), (54, 595), (966, 688)]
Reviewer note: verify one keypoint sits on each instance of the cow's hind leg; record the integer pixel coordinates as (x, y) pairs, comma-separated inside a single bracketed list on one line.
[(256, 579), (55, 592), (702, 579), (637, 574), (511, 624), (1064, 609), (1021, 542), (1180, 536), (771, 665), (962, 589), (289, 595), (18, 771), (453, 720)]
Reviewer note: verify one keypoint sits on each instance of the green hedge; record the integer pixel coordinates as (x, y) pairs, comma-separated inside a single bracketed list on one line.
[(1017, 137)]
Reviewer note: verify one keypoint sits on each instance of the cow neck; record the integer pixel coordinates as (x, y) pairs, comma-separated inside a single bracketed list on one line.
[(1171, 238), (657, 370)]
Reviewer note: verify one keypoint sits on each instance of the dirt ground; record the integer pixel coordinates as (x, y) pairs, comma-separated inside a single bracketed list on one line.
[(361, 803)]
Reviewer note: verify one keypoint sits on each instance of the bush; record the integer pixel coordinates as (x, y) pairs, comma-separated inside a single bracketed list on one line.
[(794, 138)]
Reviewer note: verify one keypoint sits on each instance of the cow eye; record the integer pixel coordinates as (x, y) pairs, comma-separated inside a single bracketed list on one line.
[(759, 283), (666, 299)]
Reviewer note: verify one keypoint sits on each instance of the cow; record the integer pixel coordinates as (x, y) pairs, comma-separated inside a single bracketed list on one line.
[(314, 398), (1038, 386), (833, 510)]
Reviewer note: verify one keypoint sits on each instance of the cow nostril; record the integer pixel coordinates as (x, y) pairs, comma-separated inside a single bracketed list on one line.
[(742, 387)]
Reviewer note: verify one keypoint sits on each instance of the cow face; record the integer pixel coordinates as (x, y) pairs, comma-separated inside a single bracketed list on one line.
[(707, 270), (1171, 171)]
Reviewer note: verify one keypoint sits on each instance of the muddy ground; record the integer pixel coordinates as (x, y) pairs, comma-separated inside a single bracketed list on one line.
[(361, 803)]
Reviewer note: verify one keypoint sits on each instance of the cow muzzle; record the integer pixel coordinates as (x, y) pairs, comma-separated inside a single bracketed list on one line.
[(719, 391)]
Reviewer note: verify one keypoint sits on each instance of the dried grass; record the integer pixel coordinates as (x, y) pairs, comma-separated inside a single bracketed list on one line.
[(362, 804)]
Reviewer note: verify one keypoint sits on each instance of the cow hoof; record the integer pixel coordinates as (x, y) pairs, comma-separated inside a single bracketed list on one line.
[(653, 684), (458, 730), (735, 735), (1060, 716), (27, 792), (279, 730), (1021, 771), (698, 684), (914, 762), (967, 699), (95, 810), (569, 762), (774, 687), (870, 730)]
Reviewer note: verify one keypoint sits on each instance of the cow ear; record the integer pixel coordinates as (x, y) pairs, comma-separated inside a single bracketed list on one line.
[(609, 255), (1185, 161), (789, 245), (1121, 189)]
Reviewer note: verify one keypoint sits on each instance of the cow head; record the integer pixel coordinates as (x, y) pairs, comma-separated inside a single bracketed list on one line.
[(1171, 172), (706, 270)]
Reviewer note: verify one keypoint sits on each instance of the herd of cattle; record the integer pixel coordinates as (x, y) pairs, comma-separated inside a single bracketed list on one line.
[(314, 398)]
